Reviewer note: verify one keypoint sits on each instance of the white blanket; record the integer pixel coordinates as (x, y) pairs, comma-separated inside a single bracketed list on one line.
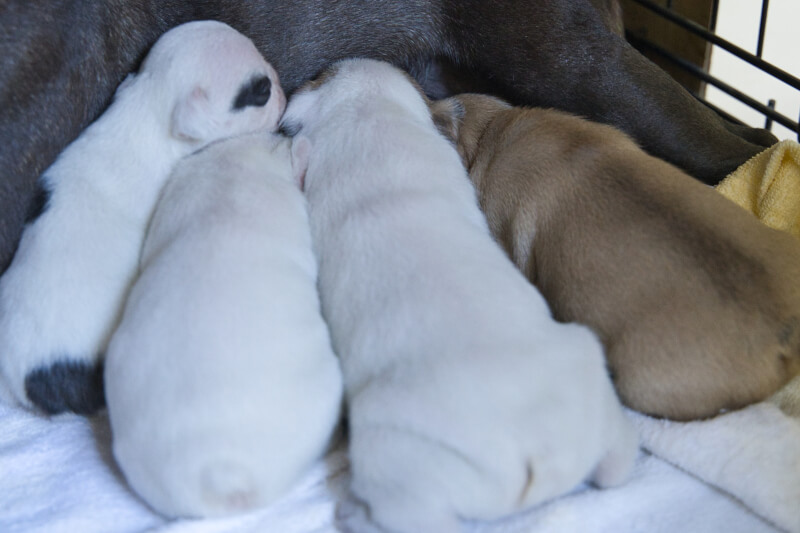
[(737, 473)]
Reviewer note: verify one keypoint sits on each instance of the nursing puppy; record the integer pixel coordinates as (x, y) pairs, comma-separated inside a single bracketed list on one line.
[(63, 293), (696, 301), (221, 382), (456, 408)]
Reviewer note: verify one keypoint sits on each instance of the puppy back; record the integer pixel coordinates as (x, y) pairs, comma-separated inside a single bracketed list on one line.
[(692, 296)]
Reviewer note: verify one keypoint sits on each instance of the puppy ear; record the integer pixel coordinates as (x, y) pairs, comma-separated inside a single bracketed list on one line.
[(301, 152), (447, 116), (192, 117)]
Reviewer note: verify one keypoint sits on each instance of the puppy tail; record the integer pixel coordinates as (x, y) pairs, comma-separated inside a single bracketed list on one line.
[(228, 488)]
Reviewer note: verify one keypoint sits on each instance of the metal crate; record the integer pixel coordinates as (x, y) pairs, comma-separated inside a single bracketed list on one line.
[(665, 13)]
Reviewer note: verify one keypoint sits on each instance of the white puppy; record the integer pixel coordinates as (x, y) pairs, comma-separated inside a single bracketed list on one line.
[(466, 399), (221, 382), (62, 295)]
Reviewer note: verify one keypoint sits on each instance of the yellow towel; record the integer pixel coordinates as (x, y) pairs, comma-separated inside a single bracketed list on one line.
[(768, 185)]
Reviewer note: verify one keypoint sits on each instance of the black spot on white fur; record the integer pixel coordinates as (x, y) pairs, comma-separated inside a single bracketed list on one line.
[(38, 204), (67, 386), (255, 93)]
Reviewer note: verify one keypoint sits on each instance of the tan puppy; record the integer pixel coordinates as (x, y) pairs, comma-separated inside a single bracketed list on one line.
[(697, 302)]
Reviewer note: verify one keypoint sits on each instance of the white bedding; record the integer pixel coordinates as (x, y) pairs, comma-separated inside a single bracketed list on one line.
[(738, 473)]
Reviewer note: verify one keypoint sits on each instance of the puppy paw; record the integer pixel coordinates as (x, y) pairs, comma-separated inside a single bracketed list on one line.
[(355, 516), (51, 349), (616, 466)]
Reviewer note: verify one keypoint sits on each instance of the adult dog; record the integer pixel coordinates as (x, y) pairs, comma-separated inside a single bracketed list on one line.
[(61, 60)]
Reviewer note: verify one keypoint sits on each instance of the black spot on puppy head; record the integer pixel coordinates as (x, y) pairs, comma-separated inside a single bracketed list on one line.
[(256, 93), (66, 386)]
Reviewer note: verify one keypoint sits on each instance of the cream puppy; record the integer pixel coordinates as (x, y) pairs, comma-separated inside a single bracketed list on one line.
[(465, 398), (697, 302), (62, 295), (221, 382)]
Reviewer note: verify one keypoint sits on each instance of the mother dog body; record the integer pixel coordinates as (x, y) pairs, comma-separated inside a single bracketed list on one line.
[(60, 61)]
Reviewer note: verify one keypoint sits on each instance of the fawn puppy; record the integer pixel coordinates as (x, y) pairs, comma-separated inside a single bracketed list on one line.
[(696, 301)]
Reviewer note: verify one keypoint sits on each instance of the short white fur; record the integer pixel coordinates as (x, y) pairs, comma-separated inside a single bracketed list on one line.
[(221, 383), (63, 293), (466, 399)]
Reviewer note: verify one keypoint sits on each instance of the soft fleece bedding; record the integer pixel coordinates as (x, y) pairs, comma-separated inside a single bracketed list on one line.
[(56, 475), (736, 473)]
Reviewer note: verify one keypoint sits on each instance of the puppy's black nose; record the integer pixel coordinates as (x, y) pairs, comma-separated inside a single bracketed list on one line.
[(256, 92)]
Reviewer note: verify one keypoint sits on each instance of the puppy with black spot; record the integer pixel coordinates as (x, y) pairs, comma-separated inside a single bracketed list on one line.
[(221, 382), (465, 398), (696, 301), (62, 295)]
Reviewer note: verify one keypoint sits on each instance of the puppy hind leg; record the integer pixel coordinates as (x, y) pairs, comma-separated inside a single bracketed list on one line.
[(67, 385), (405, 481)]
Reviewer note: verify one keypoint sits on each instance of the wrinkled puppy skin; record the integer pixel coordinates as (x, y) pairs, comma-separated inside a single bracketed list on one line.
[(465, 398), (221, 381), (62, 60), (64, 291), (696, 301)]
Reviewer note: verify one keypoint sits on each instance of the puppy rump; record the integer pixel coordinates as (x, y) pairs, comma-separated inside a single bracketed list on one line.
[(695, 300), (465, 398), (221, 383)]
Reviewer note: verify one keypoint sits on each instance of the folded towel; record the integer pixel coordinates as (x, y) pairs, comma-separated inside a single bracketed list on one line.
[(768, 185), (752, 454), (57, 476)]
